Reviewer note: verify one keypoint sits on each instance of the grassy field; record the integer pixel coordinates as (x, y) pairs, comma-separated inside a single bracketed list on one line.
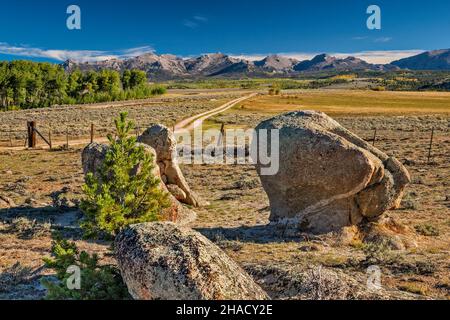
[(351, 102)]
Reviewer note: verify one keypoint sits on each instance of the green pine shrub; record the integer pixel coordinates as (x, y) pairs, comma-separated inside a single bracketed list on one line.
[(125, 191), (97, 282)]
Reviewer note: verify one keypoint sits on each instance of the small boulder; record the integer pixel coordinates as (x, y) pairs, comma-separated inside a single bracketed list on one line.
[(162, 261)]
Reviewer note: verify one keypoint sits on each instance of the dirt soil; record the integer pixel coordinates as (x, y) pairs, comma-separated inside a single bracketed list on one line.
[(40, 190)]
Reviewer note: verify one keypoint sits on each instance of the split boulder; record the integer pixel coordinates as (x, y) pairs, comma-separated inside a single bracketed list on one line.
[(328, 177)]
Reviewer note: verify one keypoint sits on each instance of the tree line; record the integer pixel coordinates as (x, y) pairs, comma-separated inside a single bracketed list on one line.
[(27, 84)]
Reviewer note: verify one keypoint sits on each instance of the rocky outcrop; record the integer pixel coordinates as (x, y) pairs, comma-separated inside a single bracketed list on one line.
[(163, 141), (164, 261), (328, 177), (92, 158)]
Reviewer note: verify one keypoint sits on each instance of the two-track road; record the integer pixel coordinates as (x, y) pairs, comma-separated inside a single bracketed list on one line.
[(197, 120)]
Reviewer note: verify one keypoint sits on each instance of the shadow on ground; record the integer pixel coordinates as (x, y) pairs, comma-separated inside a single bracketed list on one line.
[(269, 233), (28, 222)]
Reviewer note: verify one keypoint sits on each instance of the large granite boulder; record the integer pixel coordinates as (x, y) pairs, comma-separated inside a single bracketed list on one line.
[(92, 158), (163, 141), (328, 177), (163, 261)]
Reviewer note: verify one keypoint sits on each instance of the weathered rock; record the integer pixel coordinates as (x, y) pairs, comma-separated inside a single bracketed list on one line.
[(94, 155), (176, 191), (163, 141), (328, 177), (165, 261), (6, 202), (389, 232)]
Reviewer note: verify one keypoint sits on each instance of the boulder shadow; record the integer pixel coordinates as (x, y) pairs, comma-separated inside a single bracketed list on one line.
[(28, 219), (270, 233)]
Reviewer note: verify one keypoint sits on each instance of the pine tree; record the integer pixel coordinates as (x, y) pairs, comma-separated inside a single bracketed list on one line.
[(125, 191)]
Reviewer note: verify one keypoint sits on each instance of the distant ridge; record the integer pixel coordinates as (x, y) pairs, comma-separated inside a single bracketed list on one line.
[(326, 62), (430, 60), (166, 66)]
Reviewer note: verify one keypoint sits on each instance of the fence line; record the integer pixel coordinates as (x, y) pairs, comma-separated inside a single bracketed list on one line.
[(32, 132)]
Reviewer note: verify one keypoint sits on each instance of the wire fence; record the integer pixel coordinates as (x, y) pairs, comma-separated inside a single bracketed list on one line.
[(33, 136)]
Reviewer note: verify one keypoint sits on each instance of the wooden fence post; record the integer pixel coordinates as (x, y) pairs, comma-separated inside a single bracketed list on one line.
[(374, 137), (222, 135), (67, 137), (10, 136), (31, 126), (431, 145), (50, 138), (92, 132)]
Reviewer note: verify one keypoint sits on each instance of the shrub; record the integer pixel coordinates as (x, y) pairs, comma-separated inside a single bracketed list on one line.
[(376, 253), (413, 288), (274, 90), (29, 228), (158, 90), (13, 276), (125, 191), (322, 284), (410, 201), (427, 230), (96, 282)]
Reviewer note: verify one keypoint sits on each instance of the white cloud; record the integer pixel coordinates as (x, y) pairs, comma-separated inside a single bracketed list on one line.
[(77, 55), (195, 21), (190, 24), (359, 38), (383, 39), (201, 18), (377, 57)]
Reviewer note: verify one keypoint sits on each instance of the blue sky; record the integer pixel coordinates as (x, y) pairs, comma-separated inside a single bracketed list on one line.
[(37, 29)]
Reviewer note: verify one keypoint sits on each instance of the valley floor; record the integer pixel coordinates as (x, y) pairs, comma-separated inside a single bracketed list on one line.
[(43, 188)]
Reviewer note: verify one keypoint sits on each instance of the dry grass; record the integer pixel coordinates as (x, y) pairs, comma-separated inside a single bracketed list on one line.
[(352, 102)]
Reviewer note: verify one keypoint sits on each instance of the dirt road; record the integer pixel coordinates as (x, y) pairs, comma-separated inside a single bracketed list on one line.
[(197, 120)]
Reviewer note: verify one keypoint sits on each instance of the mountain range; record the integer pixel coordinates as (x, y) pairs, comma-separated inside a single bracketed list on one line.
[(168, 66), (430, 60)]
